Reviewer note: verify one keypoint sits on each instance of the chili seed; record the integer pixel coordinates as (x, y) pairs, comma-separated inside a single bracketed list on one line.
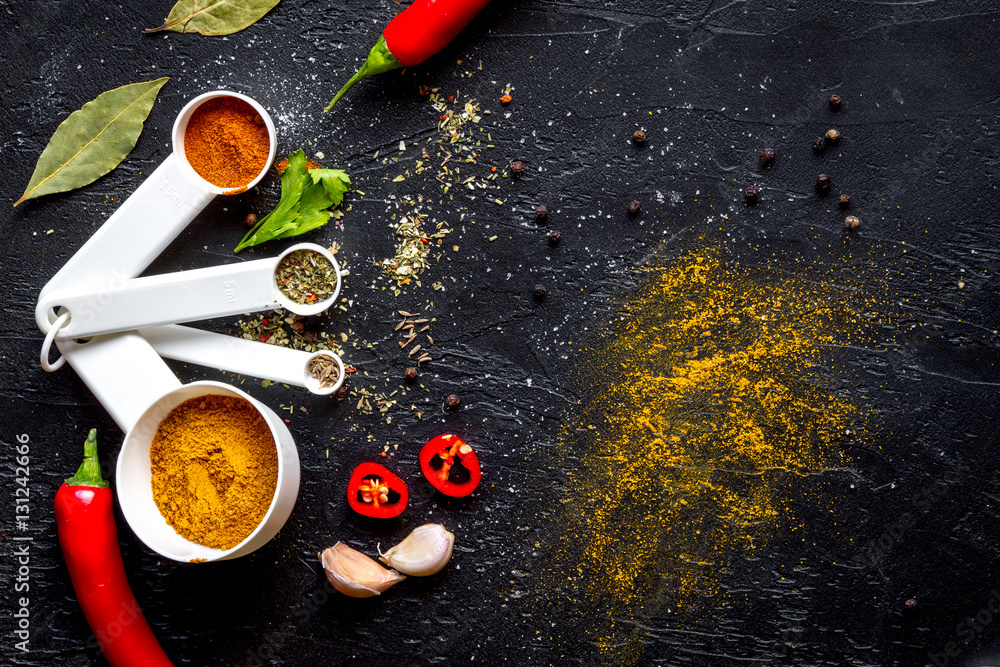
[(819, 144), (555, 236), (823, 183), (835, 101), (633, 207), (424, 90), (639, 137), (539, 291), (542, 212), (517, 167), (411, 372), (453, 400), (751, 193), (505, 99), (250, 220), (845, 200), (833, 136), (851, 223), (767, 157)]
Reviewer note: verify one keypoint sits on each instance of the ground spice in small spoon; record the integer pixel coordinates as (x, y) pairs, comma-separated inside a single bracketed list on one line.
[(226, 143)]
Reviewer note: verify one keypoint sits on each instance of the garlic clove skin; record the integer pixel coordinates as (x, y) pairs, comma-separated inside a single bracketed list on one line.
[(355, 574), (424, 552)]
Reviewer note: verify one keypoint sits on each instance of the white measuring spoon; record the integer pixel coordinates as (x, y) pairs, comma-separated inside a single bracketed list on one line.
[(145, 224), (183, 296), (138, 389), (239, 355)]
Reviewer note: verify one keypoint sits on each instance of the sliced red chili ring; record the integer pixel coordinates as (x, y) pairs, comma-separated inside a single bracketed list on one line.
[(376, 491), (451, 465)]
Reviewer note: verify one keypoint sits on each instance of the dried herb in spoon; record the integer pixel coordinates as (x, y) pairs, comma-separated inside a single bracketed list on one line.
[(306, 276)]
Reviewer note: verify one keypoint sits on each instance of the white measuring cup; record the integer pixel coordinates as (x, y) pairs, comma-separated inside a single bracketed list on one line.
[(138, 389), (185, 296), (145, 224)]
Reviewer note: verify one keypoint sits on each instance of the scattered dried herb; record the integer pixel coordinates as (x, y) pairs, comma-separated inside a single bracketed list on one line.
[(93, 140), (325, 369), (306, 276), (412, 250), (214, 17)]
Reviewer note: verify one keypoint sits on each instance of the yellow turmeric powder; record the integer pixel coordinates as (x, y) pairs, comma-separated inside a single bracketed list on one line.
[(704, 408), (215, 467)]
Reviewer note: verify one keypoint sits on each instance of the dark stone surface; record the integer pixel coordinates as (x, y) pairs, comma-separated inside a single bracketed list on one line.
[(711, 83)]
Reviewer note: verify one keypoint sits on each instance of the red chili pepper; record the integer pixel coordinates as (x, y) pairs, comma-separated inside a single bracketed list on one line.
[(416, 34), (449, 463), (376, 492), (85, 522)]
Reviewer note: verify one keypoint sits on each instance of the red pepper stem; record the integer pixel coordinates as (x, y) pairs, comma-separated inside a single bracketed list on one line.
[(89, 472), (380, 59)]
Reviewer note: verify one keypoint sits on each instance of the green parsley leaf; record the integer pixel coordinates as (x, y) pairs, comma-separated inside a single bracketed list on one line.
[(304, 203)]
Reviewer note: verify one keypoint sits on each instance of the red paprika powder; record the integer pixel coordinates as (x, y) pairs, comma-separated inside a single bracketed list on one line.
[(226, 142)]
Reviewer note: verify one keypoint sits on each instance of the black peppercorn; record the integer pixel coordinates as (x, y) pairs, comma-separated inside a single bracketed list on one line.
[(751, 193), (539, 291), (845, 200), (309, 336), (453, 400), (542, 212), (833, 136), (910, 604), (835, 101), (633, 207), (851, 223), (250, 220), (819, 144), (517, 167), (424, 90), (341, 394), (411, 372), (823, 183), (555, 236), (639, 137), (767, 157)]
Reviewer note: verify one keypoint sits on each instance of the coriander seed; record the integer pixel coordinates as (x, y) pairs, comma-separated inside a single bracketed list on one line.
[(633, 207), (823, 183), (845, 200), (542, 212), (751, 193), (555, 236), (851, 223), (767, 157), (453, 400), (539, 291), (835, 102), (411, 373), (833, 136), (639, 137), (517, 167)]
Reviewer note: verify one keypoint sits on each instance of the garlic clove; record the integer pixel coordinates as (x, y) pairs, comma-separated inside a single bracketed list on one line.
[(355, 574), (424, 552)]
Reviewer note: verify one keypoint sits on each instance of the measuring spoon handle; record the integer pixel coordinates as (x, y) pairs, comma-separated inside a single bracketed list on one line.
[(183, 296)]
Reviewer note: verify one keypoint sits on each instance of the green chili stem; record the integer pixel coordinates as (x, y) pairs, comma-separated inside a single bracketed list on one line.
[(89, 472), (380, 59)]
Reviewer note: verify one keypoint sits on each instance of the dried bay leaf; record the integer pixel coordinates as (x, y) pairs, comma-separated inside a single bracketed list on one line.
[(214, 17), (93, 140)]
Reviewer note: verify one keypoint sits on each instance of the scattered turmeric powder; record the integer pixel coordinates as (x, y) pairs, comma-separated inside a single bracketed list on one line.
[(215, 467), (701, 406)]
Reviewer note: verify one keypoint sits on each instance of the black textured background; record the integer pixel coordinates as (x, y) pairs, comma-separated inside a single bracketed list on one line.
[(711, 82)]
